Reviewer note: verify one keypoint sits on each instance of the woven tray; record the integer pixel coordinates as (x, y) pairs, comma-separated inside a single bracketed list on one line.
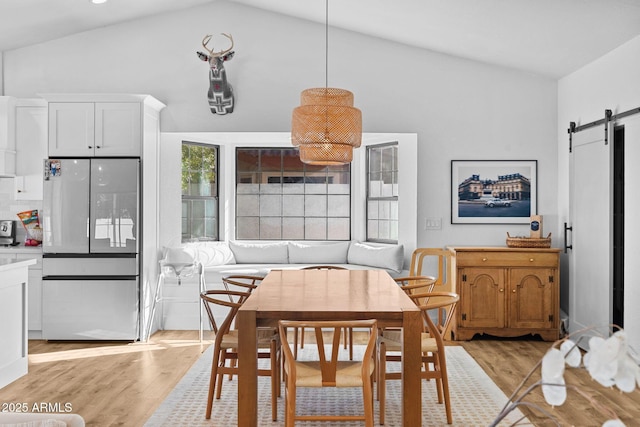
[(528, 242)]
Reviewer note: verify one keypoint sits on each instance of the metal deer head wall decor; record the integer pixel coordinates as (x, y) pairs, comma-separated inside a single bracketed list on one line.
[(220, 91)]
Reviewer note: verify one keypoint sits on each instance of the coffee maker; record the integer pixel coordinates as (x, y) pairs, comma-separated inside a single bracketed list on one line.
[(8, 232)]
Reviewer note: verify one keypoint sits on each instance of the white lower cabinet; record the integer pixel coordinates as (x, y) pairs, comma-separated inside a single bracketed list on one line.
[(34, 290)]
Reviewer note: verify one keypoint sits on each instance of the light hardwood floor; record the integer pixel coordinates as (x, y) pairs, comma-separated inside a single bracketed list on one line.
[(115, 384)]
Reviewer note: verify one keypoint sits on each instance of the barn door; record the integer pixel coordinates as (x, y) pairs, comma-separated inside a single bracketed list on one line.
[(590, 283)]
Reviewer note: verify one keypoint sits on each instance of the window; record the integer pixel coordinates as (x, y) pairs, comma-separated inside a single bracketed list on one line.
[(280, 198), (382, 193), (199, 191)]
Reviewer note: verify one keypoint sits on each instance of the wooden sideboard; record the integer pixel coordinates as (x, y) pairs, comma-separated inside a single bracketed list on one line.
[(506, 292)]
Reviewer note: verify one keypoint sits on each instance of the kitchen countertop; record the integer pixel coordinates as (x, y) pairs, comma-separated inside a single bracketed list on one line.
[(9, 264), (21, 249)]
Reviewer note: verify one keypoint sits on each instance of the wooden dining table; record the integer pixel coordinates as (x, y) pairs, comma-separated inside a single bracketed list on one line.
[(328, 295)]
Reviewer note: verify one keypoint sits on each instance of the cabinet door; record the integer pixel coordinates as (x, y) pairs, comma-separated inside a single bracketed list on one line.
[(531, 298), (118, 129), (71, 129), (31, 150), (482, 298)]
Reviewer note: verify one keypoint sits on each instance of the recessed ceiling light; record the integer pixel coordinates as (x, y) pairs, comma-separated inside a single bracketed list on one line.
[(98, 1)]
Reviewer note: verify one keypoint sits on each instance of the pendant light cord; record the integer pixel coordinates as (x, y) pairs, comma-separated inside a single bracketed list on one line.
[(326, 44)]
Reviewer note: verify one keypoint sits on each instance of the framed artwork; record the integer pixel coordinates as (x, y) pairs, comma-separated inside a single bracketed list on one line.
[(493, 191)]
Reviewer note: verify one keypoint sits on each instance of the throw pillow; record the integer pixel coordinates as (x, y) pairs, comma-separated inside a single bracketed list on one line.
[(389, 257), (260, 253)]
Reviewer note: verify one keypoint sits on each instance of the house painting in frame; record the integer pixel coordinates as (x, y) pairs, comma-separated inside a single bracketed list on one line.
[(493, 191)]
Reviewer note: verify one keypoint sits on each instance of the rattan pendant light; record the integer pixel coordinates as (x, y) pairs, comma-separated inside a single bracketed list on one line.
[(326, 127)]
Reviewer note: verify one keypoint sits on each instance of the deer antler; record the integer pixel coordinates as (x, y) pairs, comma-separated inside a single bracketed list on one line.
[(207, 39)]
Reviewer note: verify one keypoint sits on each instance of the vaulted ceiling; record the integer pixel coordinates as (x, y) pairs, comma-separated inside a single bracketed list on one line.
[(547, 37)]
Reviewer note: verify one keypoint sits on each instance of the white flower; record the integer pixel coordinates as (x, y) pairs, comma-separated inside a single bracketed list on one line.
[(553, 385), (608, 361), (602, 359), (613, 423), (628, 374), (571, 353)]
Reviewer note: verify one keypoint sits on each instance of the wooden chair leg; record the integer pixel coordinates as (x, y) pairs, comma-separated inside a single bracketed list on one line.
[(290, 409), (367, 398), (212, 385), (382, 373), (350, 343), (275, 383), (445, 385), (434, 366), (233, 363)]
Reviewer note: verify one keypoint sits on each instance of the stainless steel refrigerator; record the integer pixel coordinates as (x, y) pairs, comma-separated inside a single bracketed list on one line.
[(90, 221)]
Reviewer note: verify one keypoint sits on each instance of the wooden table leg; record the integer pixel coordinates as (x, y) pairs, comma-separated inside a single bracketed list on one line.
[(411, 366), (247, 369)]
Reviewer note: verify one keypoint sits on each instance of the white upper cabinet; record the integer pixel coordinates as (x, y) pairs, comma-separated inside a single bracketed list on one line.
[(31, 148), (95, 129), (7, 136), (118, 130), (71, 129)]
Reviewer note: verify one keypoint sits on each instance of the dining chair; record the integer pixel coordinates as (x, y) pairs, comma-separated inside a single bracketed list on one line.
[(412, 285), (242, 282), (436, 262), (426, 261), (329, 371), (226, 345), (416, 284), (434, 364), (348, 334)]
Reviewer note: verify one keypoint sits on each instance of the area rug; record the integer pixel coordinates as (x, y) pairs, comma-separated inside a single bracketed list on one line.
[(475, 399)]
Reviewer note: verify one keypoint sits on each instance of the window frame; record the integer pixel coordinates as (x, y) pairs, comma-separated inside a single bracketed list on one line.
[(216, 197), (395, 198), (307, 172)]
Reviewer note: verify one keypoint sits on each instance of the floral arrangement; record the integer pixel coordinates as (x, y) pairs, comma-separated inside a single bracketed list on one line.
[(610, 361)]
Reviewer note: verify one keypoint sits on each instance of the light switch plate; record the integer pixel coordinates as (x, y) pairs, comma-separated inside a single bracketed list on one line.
[(433, 223)]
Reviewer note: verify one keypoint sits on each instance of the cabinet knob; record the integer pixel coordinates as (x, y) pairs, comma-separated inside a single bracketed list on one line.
[(484, 259), (530, 259), (90, 146), (98, 147), (501, 290), (514, 291)]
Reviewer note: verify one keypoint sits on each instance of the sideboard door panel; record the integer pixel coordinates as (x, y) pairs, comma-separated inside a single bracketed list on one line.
[(531, 298), (484, 305)]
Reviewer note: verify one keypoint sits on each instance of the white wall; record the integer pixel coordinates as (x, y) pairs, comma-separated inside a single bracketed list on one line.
[(1, 73), (460, 109), (611, 82)]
